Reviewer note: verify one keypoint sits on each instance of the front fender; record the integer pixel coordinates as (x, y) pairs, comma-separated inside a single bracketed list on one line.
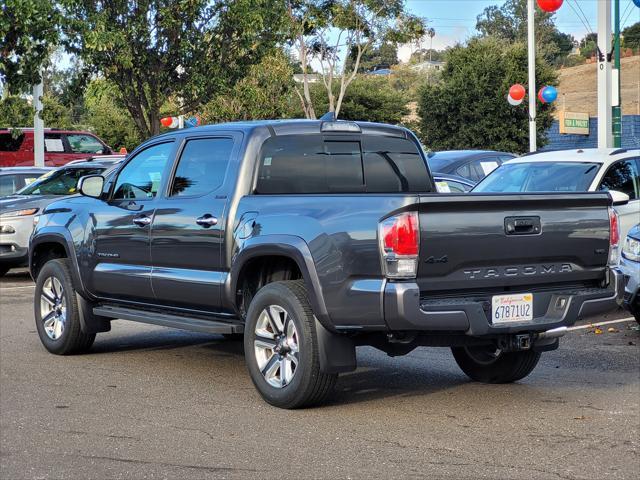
[(289, 246), (61, 236)]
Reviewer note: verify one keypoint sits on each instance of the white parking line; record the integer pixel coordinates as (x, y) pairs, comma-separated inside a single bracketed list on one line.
[(599, 324), (2, 289)]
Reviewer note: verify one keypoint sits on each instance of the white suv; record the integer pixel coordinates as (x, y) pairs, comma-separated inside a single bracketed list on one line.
[(574, 171)]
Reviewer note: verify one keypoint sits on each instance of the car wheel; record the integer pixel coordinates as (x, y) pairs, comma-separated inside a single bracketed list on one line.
[(56, 310), (281, 347), (3, 270), (489, 364)]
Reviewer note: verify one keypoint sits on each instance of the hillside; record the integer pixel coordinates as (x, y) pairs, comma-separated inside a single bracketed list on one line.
[(578, 87)]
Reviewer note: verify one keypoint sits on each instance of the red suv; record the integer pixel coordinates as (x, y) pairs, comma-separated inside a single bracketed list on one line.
[(60, 147)]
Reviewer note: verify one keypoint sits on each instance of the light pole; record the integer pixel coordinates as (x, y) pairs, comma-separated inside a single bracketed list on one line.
[(605, 136), (38, 125), (532, 75), (617, 117)]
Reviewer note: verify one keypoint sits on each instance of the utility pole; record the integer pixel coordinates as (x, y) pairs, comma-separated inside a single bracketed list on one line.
[(38, 125), (617, 101), (532, 75), (605, 114)]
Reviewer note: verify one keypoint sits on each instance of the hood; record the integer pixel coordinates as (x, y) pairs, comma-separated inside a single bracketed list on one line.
[(22, 202)]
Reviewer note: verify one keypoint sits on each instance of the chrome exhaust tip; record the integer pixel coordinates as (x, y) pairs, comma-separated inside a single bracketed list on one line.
[(554, 333)]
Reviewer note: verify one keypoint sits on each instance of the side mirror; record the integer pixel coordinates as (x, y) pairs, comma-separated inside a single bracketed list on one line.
[(91, 186), (619, 198)]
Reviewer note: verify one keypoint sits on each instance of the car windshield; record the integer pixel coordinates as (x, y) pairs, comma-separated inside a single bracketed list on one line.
[(540, 177), (440, 160), (63, 181)]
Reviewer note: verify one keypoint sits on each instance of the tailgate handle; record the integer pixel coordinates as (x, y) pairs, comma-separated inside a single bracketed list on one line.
[(522, 225)]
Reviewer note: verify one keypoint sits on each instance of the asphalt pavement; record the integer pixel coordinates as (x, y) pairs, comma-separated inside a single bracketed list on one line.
[(151, 402)]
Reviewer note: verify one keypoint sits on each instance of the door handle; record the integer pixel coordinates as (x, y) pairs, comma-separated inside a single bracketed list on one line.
[(207, 221), (142, 221)]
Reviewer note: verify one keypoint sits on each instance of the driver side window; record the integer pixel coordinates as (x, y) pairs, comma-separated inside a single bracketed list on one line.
[(140, 178)]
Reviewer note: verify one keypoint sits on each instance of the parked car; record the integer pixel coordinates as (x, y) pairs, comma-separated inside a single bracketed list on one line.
[(60, 147), (587, 170), (19, 212), (13, 179), (310, 238), (630, 266), (452, 183), (473, 165)]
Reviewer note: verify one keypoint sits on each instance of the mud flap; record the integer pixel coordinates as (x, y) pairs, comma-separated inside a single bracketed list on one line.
[(90, 322), (337, 352)]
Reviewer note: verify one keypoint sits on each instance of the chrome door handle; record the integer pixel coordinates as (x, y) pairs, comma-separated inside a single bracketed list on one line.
[(142, 221), (207, 221)]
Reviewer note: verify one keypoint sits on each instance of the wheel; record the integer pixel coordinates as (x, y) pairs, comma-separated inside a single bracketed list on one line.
[(56, 310), (489, 364), (4, 270), (281, 347)]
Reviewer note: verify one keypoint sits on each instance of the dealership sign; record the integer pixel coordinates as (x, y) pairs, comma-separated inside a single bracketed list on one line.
[(574, 123)]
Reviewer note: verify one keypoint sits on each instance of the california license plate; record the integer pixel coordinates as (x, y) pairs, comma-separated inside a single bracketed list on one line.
[(512, 308)]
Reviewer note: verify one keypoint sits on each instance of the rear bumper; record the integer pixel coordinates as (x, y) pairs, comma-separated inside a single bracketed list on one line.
[(405, 310)]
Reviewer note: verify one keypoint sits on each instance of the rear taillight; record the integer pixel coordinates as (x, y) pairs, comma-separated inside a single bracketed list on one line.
[(399, 243), (614, 236)]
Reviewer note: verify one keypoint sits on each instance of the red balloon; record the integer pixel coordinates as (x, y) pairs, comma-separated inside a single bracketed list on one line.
[(517, 92), (540, 97), (166, 121), (550, 5)]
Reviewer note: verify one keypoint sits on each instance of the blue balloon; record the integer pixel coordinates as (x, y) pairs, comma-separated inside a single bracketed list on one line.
[(636, 3), (549, 94)]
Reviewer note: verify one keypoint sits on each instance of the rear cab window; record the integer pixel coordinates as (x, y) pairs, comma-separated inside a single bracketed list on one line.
[(316, 164)]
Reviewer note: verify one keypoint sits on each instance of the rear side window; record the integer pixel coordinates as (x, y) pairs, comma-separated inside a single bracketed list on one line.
[(83, 143), (298, 164), (623, 177), (53, 143), (10, 144), (202, 166)]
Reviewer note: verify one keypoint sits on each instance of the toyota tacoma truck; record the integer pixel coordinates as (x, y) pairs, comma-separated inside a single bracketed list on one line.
[(310, 238)]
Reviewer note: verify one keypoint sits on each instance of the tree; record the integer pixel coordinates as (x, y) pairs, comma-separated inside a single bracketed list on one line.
[(385, 56), (589, 45), (631, 36), (469, 108), (28, 33), (337, 33), (509, 22), (16, 111), (155, 49), (105, 114), (265, 93), (370, 98)]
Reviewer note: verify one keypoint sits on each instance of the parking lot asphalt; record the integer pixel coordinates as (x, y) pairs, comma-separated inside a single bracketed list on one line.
[(150, 402)]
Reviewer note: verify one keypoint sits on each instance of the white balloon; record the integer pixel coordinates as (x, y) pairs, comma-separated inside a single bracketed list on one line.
[(174, 122), (513, 101)]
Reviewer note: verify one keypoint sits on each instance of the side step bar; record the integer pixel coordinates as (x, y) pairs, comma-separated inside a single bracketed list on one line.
[(168, 320)]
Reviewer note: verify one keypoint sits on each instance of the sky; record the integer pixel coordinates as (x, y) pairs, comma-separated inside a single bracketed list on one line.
[(455, 20)]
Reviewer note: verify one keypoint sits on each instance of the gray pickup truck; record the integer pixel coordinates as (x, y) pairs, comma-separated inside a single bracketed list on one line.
[(309, 238)]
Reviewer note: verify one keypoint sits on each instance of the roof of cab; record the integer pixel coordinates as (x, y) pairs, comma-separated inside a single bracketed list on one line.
[(290, 127), (591, 155)]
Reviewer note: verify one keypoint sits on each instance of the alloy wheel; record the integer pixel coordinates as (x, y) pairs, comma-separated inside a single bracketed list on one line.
[(276, 346), (53, 308)]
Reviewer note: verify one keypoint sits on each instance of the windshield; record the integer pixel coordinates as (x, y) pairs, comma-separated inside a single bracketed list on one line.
[(540, 177), (63, 181)]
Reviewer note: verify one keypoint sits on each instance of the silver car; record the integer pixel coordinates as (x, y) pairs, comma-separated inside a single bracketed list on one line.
[(19, 212), (13, 179), (630, 266)]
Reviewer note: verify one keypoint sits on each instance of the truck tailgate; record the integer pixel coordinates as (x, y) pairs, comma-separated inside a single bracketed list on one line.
[(486, 242)]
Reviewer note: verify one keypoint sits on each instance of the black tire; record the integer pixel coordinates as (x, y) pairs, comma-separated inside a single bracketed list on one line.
[(480, 365), (308, 385), (71, 339), (4, 270)]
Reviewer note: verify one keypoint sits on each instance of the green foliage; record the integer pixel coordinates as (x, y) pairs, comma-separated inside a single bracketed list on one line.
[(589, 45), (509, 22), (16, 111), (386, 54), (469, 108), (631, 36), (107, 117), (265, 93), (369, 98), (156, 49), (28, 32)]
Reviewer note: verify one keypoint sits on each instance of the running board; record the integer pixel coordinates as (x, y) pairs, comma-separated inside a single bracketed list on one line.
[(167, 320)]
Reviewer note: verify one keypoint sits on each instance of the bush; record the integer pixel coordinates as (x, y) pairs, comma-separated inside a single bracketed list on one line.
[(469, 108)]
